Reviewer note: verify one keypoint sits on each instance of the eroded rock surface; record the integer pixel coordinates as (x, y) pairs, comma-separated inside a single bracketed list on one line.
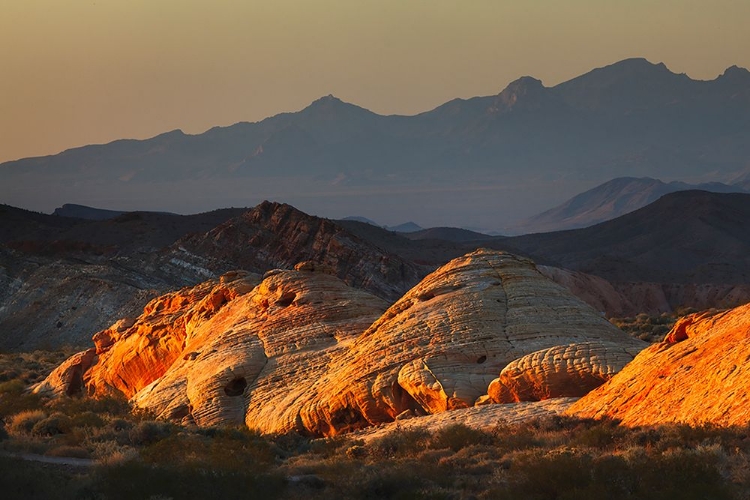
[(303, 351), (134, 352), (440, 346), (699, 374), (562, 371), (257, 360)]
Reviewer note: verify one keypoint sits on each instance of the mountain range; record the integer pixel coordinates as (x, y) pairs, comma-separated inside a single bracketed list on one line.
[(513, 154)]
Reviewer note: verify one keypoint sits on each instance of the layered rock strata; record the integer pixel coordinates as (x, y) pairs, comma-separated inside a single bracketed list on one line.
[(698, 374), (441, 345), (300, 350)]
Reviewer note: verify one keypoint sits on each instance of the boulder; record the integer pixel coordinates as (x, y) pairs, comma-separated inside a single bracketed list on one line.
[(570, 370)]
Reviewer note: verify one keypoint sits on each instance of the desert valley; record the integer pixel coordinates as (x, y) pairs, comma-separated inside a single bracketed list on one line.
[(539, 293)]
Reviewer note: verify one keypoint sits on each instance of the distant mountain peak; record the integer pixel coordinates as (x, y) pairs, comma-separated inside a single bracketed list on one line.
[(526, 92), (735, 74), (332, 105)]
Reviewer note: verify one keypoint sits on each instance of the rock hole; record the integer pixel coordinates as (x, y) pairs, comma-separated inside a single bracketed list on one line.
[(426, 296), (481, 359), (75, 386), (59, 324), (286, 299), (236, 387)]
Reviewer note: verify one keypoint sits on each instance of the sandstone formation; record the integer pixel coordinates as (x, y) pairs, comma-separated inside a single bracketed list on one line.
[(561, 371), (258, 359), (303, 351), (440, 346), (62, 279), (698, 374), (132, 353), (485, 417)]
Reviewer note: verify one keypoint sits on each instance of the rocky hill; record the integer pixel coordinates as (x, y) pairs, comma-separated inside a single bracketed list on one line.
[(698, 374), (609, 201), (275, 235), (63, 278), (303, 351), (684, 237)]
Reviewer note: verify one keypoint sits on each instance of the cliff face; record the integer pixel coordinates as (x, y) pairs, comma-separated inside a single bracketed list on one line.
[(698, 374), (301, 350)]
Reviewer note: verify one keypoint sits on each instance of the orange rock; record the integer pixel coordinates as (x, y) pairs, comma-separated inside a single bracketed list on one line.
[(439, 347), (699, 375), (561, 371), (134, 353)]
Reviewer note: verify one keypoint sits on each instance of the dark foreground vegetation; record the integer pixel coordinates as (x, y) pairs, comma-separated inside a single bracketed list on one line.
[(134, 457)]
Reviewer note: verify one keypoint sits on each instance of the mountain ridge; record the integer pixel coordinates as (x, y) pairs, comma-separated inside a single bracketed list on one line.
[(515, 152)]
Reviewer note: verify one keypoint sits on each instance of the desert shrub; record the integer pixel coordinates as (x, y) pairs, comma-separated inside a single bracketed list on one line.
[(3, 432), (24, 422), (13, 387), (458, 436), (383, 480), (69, 451), (400, 443), (598, 434), (516, 437), (119, 424), (149, 432), (87, 419), (136, 479), (328, 447), (14, 398), (228, 450), (291, 443), (57, 423), (645, 327), (116, 406)]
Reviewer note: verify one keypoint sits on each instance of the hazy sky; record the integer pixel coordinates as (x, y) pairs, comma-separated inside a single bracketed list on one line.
[(77, 72)]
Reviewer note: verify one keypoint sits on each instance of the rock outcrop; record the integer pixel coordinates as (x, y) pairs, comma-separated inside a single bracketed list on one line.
[(303, 351), (698, 374), (257, 361), (134, 352), (561, 371), (440, 346)]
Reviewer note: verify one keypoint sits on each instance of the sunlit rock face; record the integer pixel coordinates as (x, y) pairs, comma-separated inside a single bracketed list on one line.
[(257, 360), (300, 350), (134, 352), (562, 371), (698, 374), (447, 339), (227, 351)]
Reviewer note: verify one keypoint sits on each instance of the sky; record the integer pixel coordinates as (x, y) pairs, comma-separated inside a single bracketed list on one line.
[(84, 72)]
